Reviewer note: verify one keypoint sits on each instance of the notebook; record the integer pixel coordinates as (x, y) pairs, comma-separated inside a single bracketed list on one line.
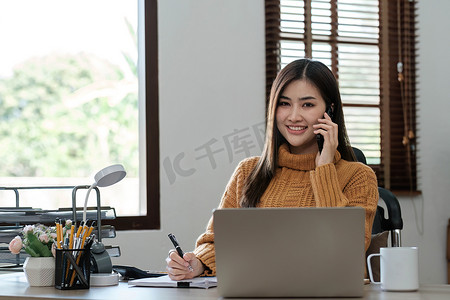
[(289, 252), (165, 281)]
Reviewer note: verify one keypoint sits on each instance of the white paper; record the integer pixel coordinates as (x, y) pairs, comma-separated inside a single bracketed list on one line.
[(165, 281)]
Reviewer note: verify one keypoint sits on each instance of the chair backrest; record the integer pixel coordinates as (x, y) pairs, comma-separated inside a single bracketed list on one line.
[(394, 222), (359, 155)]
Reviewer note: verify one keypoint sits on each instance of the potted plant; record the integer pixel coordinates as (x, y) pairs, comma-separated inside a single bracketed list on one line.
[(38, 240)]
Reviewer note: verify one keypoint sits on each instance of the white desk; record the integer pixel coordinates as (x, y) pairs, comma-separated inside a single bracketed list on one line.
[(14, 286)]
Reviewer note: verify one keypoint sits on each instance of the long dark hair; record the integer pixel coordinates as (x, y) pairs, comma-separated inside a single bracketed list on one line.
[(323, 79)]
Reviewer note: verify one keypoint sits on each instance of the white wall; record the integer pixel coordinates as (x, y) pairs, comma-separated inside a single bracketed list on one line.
[(211, 82), (201, 45), (428, 230)]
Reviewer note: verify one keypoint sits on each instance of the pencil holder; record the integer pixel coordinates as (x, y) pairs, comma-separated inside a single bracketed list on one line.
[(73, 269)]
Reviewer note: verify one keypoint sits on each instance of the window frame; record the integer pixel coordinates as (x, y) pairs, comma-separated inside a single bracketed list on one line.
[(152, 218), (397, 168)]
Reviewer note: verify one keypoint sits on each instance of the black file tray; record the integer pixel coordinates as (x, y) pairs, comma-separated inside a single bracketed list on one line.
[(18, 216), (13, 215)]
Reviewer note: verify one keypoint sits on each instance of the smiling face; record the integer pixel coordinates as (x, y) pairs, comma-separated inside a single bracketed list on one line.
[(299, 107)]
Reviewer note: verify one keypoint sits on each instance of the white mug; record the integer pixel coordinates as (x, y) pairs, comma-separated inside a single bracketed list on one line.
[(399, 268)]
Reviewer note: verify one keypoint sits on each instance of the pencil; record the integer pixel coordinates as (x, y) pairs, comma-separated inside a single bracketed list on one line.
[(75, 245), (85, 234), (90, 231), (72, 229), (80, 253), (58, 236), (79, 229), (61, 234)]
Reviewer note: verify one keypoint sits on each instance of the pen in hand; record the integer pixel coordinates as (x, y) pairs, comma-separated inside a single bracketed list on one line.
[(178, 248)]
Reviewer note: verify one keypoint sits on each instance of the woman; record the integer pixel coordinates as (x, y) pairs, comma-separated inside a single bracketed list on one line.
[(291, 171)]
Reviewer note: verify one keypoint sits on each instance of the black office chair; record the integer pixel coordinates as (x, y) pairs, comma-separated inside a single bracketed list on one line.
[(394, 222)]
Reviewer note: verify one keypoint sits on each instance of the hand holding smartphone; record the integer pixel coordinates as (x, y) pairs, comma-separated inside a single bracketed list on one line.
[(319, 137)]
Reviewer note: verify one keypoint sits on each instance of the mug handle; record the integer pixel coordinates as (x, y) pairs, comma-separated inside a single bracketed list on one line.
[(369, 266)]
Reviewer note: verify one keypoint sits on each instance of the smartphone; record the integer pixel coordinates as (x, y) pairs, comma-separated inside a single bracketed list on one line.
[(319, 137)]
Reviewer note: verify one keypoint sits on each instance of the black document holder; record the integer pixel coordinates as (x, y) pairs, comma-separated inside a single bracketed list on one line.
[(67, 268)]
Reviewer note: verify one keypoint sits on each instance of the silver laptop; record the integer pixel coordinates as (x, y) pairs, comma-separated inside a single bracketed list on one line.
[(290, 252)]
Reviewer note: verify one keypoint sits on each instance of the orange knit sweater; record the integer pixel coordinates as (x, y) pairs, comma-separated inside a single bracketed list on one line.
[(298, 183)]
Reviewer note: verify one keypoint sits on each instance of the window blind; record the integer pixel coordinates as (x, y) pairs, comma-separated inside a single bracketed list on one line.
[(360, 41)]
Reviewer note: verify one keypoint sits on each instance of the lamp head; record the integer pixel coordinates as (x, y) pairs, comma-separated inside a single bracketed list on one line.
[(105, 177), (110, 175)]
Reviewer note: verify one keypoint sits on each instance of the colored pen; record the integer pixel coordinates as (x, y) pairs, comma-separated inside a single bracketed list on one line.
[(178, 248)]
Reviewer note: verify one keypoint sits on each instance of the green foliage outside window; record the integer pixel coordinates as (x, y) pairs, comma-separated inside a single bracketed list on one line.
[(67, 115)]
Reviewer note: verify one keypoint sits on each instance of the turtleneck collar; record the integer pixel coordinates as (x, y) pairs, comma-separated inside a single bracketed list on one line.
[(302, 162)]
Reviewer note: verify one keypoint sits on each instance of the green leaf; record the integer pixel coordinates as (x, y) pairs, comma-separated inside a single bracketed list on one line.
[(31, 252), (37, 246)]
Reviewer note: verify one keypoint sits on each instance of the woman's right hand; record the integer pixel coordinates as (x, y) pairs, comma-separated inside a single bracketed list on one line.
[(183, 268)]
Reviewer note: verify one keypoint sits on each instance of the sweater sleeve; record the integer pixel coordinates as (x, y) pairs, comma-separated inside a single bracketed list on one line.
[(361, 189), (205, 250)]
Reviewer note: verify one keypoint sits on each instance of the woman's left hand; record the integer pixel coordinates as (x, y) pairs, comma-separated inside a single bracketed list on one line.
[(329, 131)]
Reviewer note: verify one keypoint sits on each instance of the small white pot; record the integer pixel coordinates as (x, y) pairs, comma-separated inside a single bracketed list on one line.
[(40, 271)]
